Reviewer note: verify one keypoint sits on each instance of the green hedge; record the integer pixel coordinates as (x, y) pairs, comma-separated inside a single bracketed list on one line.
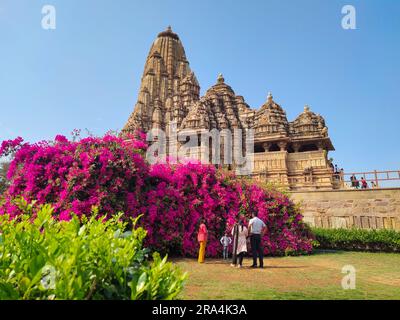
[(48, 259), (358, 239)]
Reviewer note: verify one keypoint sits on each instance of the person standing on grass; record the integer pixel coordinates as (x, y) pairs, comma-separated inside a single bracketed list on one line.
[(202, 239), (241, 249), (225, 241), (235, 234), (257, 229)]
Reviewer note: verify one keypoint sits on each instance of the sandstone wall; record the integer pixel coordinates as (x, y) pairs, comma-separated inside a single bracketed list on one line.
[(367, 209)]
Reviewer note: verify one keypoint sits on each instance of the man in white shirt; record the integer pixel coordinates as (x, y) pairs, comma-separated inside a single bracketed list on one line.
[(257, 228)]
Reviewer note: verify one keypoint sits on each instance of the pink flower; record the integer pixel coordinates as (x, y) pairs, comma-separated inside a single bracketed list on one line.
[(112, 174)]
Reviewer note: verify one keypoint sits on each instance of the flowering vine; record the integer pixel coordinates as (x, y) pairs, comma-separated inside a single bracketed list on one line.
[(111, 174)]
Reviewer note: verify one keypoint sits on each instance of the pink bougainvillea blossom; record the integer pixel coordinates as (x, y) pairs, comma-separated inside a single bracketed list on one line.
[(110, 173)]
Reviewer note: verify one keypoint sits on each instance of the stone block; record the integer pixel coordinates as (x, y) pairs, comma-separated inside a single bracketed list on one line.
[(325, 222), (382, 203), (372, 223), (379, 222), (357, 222), (309, 220), (397, 224), (338, 222), (318, 222), (350, 221), (394, 223), (361, 209), (362, 204), (387, 223), (365, 223)]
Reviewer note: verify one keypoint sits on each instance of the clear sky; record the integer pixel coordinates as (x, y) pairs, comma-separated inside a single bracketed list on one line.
[(86, 72)]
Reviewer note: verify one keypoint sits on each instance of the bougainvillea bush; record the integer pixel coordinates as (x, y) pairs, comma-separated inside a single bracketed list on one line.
[(111, 174), (184, 193), (74, 176), (180, 196)]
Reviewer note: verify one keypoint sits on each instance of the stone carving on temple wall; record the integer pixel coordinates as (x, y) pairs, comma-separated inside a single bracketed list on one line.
[(271, 118), (308, 123)]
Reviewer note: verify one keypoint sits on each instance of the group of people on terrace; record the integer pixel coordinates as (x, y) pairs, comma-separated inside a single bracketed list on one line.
[(339, 174), (363, 183)]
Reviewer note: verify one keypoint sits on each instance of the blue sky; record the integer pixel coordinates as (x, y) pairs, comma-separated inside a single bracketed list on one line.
[(86, 73)]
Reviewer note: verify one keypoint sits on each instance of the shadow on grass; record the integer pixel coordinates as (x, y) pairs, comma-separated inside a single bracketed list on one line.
[(317, 252), (266, 266), (285, 267)]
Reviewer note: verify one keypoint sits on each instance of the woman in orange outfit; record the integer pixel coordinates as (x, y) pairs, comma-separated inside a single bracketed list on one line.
[(202, 239)]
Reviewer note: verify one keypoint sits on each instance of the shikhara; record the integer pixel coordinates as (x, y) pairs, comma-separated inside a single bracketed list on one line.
[(291, 153)]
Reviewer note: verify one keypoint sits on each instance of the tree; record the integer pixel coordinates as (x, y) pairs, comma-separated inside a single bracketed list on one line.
[(4, 182)]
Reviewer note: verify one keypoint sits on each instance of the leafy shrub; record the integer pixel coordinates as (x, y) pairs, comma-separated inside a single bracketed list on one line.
[(358, 239), (43, 258), (111, 174)]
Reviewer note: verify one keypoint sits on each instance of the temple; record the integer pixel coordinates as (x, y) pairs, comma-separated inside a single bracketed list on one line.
[(292, 154)]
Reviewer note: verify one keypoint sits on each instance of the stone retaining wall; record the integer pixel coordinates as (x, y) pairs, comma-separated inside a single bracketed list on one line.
[(366, 209)]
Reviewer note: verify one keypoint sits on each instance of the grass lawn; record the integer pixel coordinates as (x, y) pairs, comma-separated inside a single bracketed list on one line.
[(317, 276)]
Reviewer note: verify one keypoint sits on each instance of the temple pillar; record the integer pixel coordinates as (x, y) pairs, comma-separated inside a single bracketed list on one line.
[(296, 146), (266, 146), (282, 145)]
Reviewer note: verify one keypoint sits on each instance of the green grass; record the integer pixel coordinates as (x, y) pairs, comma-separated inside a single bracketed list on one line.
[(317, 276)]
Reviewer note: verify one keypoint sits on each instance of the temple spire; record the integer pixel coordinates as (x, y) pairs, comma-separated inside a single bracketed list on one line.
[(167, 75)]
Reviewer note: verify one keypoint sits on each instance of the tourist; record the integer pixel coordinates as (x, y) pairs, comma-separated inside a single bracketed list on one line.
[(330, 161), (354, 182), (336, 172), (225, 241), (373, 184), (364, 184), (331, 165), (202, 239), (241, 247), (235, 234), (257, 228)]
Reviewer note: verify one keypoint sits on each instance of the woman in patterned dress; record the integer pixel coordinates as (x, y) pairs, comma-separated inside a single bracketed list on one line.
[(242, 242)]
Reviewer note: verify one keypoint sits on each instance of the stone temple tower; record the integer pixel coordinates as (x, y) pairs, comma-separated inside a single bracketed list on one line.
[(168, 86), (291, 153)]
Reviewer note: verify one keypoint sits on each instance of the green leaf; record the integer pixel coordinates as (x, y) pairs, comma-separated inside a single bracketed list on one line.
[(141, 283)]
